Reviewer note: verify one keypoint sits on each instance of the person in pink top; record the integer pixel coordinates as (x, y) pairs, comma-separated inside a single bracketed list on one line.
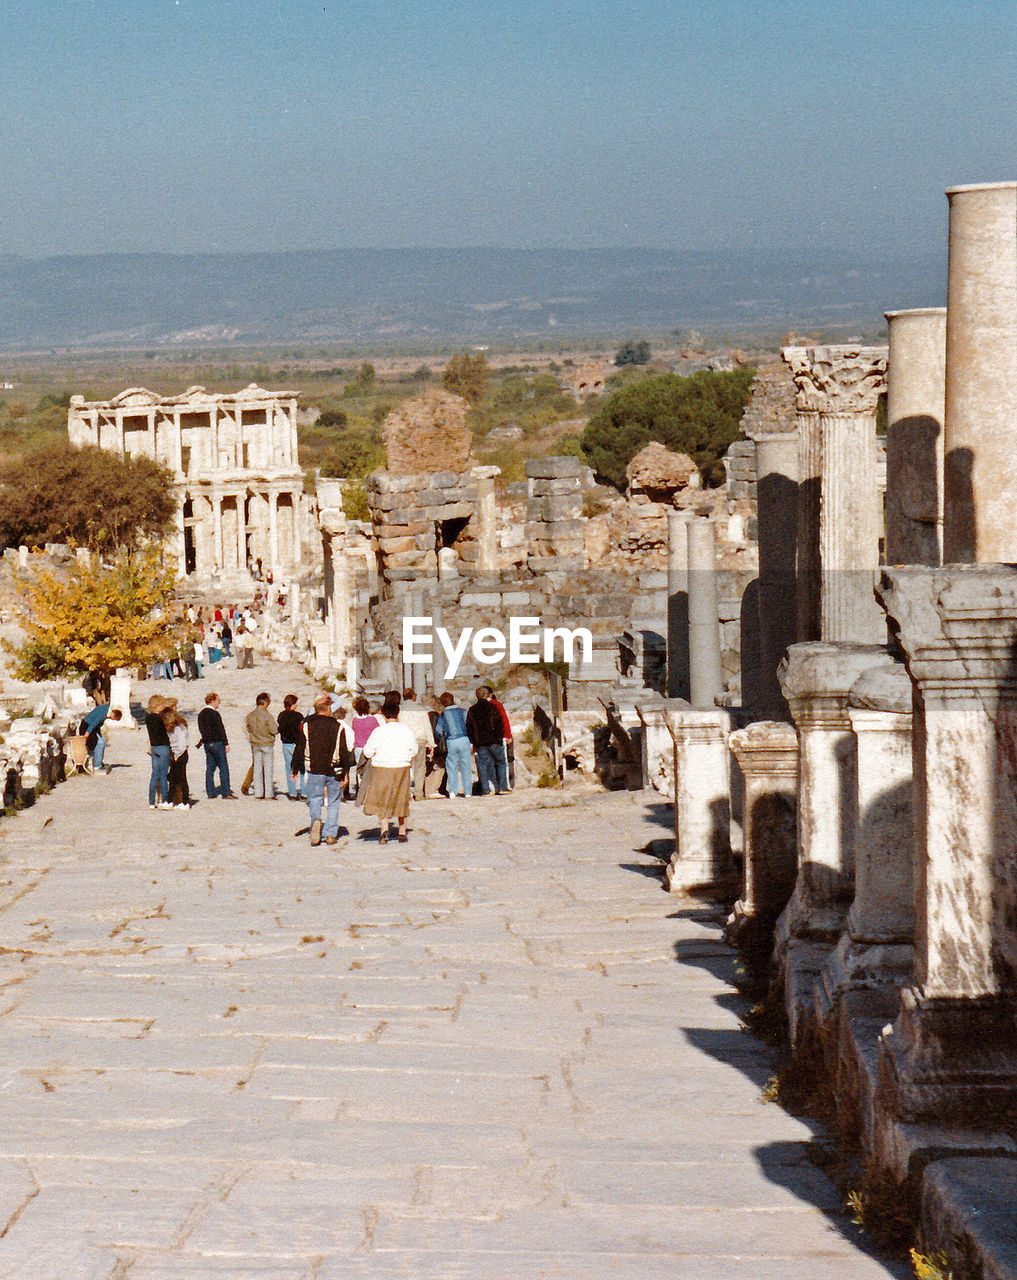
[(364, 724)]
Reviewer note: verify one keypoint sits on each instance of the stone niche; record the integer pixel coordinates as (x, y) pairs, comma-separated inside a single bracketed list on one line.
[(431, 507)]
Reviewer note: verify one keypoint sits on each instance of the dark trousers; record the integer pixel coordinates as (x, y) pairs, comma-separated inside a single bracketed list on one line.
[(491, 767), (215, 760), (179, 792)]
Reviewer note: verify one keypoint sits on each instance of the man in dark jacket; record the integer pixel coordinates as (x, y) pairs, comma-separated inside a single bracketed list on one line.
[(213, 739), (485, 731), (329, 756)]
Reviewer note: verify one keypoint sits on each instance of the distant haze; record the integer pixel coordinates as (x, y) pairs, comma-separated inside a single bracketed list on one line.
[(402, 295)]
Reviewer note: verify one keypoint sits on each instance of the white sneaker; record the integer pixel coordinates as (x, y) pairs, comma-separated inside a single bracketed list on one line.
[(165, 804), (181, 806)]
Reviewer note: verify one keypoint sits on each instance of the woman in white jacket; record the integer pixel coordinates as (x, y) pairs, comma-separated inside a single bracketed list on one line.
[(389, 750)]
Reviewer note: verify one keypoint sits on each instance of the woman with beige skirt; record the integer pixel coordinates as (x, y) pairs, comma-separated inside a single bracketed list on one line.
[(389, 751)]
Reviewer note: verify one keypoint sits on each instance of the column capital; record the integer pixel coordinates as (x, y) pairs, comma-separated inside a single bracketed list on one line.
[(842, 380), (957, 626), (767, 747)]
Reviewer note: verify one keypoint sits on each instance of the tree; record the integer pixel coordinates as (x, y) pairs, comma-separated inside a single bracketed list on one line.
[(466, 375), (87, 496), (355, 453), (95, 616), (632, 353), (698, 415)]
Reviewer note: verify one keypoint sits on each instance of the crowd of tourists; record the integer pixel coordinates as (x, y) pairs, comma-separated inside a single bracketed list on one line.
[(381, 758), (211, 635)]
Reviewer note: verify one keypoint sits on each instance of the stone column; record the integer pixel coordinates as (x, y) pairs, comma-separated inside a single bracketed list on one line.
[(705, 678), (810, 467), (241, 530), (767, 754), (216, 499), (273, 531), (980, 468), (702, 798), (915, 396), (678, 604), (487, 519), (293, 597), (777, 507), (847, 383), (178, 442), (951, 1056), (816, 680), (120, 698)]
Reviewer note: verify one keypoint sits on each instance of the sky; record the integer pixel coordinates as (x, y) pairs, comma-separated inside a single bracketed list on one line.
[(238, 125)]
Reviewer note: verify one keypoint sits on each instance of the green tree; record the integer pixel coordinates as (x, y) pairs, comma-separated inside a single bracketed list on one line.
[(354, 454), (632, 353), (97, 616), (86, 496), (698, 415), (466, 375)]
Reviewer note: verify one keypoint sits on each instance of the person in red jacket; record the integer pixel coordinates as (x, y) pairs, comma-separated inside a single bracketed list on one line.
[(510, 754)]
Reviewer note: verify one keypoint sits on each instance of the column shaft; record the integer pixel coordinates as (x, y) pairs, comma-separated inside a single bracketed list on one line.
[(705, 676)]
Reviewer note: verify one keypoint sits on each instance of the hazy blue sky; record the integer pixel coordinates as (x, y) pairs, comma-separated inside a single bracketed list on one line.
[(187, 125)]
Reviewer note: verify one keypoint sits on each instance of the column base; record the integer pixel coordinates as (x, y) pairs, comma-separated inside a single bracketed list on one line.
[(952, 1061)]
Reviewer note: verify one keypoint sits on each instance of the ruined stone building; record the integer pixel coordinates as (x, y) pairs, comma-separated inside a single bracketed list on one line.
[(233, 456)]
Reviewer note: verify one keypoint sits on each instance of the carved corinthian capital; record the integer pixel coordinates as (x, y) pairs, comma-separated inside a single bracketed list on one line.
[(844, 380)]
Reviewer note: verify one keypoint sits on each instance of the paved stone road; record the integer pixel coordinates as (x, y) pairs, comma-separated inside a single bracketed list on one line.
[(499, 1052)]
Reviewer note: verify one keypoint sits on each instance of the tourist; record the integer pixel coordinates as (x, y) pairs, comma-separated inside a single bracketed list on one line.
[(290, 723), (324, 754), (437, 761), (486, 732), (112, 719), (416, 719), (176, 729), (363, 724), (213, 738), (261, 734), (227, 636), (91, 724), (242, 644), (451, 731), (390, 751), (507, 742), (159, 750)]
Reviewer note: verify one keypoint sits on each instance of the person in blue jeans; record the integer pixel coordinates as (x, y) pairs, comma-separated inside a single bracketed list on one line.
[(159, 750), (291, 731), (451, 730), (486, 733), (213, 739)]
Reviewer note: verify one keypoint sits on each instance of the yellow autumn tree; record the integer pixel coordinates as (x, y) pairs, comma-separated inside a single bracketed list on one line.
[(97, 617)]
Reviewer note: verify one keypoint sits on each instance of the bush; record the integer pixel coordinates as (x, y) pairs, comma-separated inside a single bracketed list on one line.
[(697, 415), (632, 353), (354, 454), (466, 375)]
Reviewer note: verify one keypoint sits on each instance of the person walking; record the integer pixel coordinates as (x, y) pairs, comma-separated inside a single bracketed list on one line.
[(390, 751), (416, 719), (159, 750), (291, 730), (507, 741), (176, 729), (451, 730), (325, 746), (364, 724), (261, 734), (486, 732), (213, 738)]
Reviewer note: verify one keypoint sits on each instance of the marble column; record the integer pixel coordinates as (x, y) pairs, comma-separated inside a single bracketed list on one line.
[(777, 463), (847, 384), (915, 399), (678, 604), (767, 754), (217, 544), (702, 798), (951, 1056), (241, 530), (810, 467), (705, 677), (273, 531), (980, 467), (178, 443)]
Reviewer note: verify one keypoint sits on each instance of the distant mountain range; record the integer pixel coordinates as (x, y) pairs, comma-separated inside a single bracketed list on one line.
[(402, 295)]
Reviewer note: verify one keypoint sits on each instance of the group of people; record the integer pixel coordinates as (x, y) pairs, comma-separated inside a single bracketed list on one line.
[(382, 758), (210, 635)]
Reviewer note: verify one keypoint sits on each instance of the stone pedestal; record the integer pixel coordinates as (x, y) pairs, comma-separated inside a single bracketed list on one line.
[(554, 509), (980, 480), (656, 748), (705, 677), (702, 798), (915, 398), (120, 698), (677, 604), (767, 754), (952, 1054), (875, 951), (816, 680)]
